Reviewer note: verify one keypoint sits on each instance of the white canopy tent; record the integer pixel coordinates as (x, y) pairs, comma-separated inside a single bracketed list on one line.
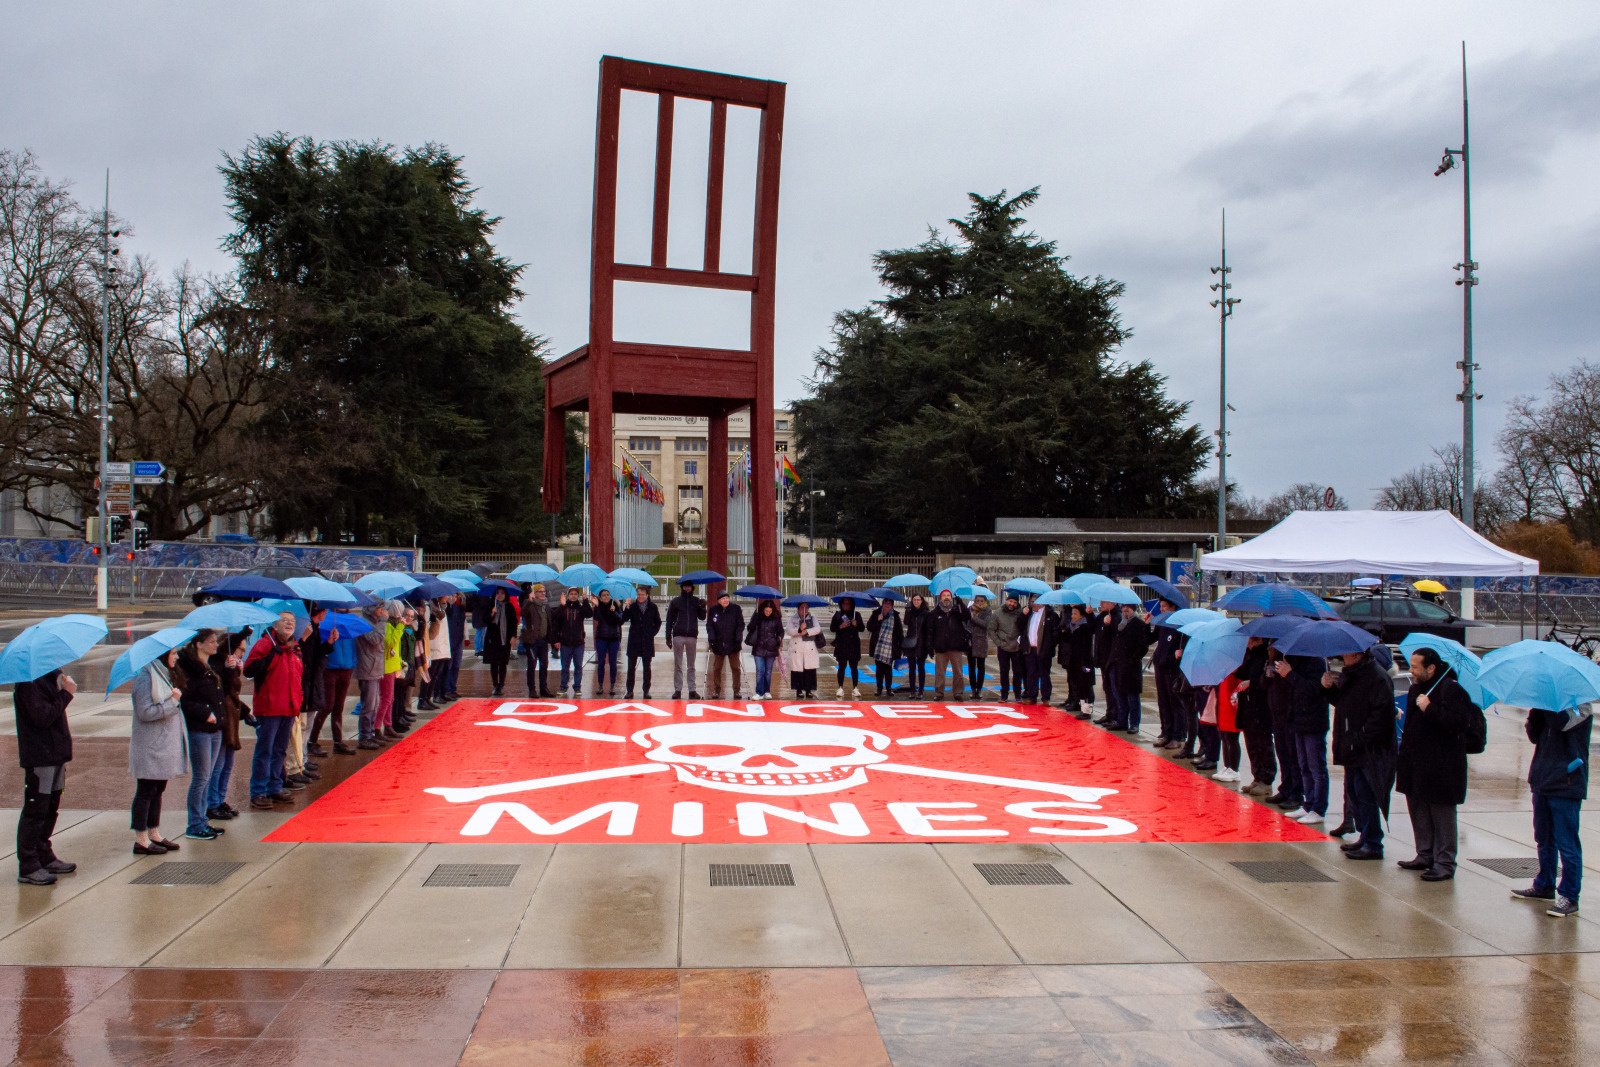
[(1427, 543)]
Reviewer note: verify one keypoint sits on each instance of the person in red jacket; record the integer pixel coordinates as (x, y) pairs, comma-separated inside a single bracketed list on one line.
[(274, 665)]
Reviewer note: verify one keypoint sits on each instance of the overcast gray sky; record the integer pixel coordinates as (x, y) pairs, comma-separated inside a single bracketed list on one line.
[(1318, 132)]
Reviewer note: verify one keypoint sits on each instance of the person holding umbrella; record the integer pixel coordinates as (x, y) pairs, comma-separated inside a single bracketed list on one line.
[(534, 638), (1308, 722), (1129, 643), (274, 666), (764, 635), (1431, 769), (804, 656), (724, 633), (607, 644), (644, 622), (566, 638), (1005, 634), (1254, 717), (978, 617), (499, 633), (369, 676), (846, 627), (684, 615), (44, 745), (202, 702), (1364, 744), (1076, 656), (1170, 688), (1558, 775), (455, 618), (887, 637), (1105, 632), (948, 641), (228, 663), (157, 749), (916, 645)]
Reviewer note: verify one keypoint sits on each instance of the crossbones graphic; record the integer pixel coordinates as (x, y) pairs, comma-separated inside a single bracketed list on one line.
[(764, 759)]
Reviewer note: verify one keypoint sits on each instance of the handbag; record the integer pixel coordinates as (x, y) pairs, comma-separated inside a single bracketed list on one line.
[(1209, 714)]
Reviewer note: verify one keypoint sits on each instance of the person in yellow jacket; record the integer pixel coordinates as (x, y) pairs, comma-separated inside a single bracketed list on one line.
[(393, 667)]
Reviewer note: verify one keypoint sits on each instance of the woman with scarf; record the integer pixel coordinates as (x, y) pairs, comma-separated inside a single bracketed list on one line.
[(804, 652), (764, 635), (887, 637), (499, 637), (157, 749)]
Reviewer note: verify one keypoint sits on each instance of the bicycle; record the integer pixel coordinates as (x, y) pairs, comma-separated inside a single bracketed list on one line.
[(1582, 638)]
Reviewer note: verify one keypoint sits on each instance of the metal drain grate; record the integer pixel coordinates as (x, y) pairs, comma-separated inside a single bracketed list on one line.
[(732, 874), (174, 873), (458, 875), (1510, 867), (1021, 874), (1282, 871)]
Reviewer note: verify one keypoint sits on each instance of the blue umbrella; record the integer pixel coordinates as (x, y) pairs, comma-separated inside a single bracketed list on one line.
[(466, 581), (145, 651), (1456, 656), (861, 600), (489, 585), (1084, 580), (702, 578), (1177, 620), (1215, 650), (1165, 590), (321, 590), (249, 587), (1273, 627), (297, 608), (1025, 584), (228, 615), (49, 645), (364, 599), (1322, 637), (431, 589), (951, 578), (345, 624), (620, 590), (387, 584), (883, 592), (758, 592), (1540, 674), (582, 575), (1112, 591), (636, 576), (809, 599), (1273, 599), (1365, 583), (534, 572), (1060, 597), (906, 581)]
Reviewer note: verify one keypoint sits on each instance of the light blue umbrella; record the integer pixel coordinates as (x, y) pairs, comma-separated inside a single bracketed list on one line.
[(145, 651), (906, 581), (620, 589), (1177, 620), (1540, 674), (1084, 580), (347, 625), (1031, 586), (1112, 591), (582, 575), (297, 608), (1456, 656), (951, 578), (1215, 650), (636, 576), (387, 584), (1365, 583), (1061, 597), (229, 615), (466, 581), (49, 645), (321, 590), (534, 572)]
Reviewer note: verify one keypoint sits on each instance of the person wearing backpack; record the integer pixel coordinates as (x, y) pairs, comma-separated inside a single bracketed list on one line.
[(1431, 769)]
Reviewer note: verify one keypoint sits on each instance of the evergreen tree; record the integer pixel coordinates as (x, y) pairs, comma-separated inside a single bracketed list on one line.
[(986, 383)]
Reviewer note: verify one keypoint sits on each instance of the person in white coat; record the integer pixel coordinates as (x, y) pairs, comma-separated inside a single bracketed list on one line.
[(804, 652)]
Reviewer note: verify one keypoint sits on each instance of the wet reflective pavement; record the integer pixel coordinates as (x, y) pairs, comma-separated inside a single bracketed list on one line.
[(1151, 953)]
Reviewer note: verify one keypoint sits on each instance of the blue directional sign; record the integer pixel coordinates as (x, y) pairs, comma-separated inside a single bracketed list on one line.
[(148, 468)]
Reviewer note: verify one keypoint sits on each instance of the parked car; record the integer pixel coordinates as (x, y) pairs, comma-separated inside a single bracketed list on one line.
[(1390, 617)]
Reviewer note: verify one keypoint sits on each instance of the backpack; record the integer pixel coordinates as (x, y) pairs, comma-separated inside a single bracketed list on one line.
[(1475, 737)]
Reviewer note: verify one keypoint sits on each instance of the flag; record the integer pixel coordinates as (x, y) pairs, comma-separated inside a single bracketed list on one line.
[(786, 471)]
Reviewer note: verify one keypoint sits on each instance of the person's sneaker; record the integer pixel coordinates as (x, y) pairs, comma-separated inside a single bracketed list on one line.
[(261, 803), (295, 779), (344, 749), (1562, 908), (228, 810), (280, 798), (217, 813), (368, 744), (1534, 893), (1295, 814), (310, 774), (1310, 818), (38, 877), (219, 831), (205, 833), (60, 867), (313, 765)]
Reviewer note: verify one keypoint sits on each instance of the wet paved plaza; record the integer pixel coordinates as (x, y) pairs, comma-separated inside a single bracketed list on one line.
[(879, 953)]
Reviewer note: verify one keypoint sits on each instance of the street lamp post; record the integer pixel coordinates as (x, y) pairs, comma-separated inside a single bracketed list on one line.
[(102, 583), (1224, 305), (811, 518), (1468, 280)]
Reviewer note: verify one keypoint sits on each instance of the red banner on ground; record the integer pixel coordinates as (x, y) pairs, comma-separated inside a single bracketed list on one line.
[(730, 771)]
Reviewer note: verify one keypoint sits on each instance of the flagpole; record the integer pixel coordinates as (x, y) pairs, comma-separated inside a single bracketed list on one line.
[(783, 499), (585, 503)]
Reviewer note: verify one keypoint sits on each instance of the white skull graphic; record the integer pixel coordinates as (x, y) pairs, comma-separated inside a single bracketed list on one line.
[(768, 758)]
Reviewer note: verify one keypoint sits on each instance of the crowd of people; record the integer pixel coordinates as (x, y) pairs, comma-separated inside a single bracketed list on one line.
[(1289, 713)]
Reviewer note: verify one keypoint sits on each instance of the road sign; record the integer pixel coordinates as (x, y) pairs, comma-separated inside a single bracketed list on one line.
[(119, 499), (115, 471), (1329, 498), (140, 479), (148, 468)]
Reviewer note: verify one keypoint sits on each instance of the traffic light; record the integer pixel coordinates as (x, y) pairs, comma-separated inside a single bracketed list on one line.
[(118, 529), (141, 538)]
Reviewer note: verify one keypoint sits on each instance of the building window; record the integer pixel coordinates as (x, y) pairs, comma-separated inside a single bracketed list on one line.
[(648, 469), (691, 468), (782, 446), (738, 444), (691, 492), (644, 444), (783, 424), (690, 444)]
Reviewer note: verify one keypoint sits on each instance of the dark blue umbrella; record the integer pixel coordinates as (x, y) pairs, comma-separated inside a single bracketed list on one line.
[(364, 599), (1273, 627), (1165, 590), (883, 592), (430, 589), (1320, 637), (1270, 598), (250, 587), (808, 599), (758, 592), (702, 578), (490, 585), (859, 599)]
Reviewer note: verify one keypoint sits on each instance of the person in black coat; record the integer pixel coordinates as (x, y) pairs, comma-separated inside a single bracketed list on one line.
[(724, 634), (203, 703), (685, 612), (1105, 630), (499, 633), (607, 643), (1364, 744), (1170, 703), (886, 641), (1276, 694), (1559, 777), (948, 640), (566, 637), (1075, 653), (915, 644), (644, 622), (44, 747), (1253, 716), (846, 629), (764, 635), (1431, 769), (1308, 722), (1041, 632), (1130, 639)]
